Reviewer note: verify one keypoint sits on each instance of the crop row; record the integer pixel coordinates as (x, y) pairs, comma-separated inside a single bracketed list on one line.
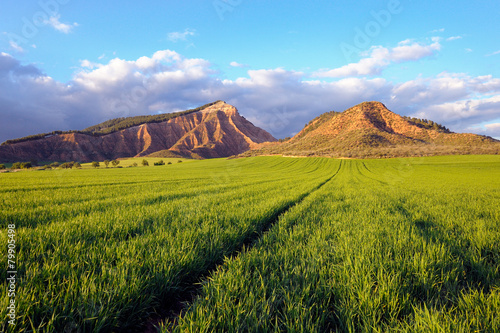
[(103, 250), (407, 245)]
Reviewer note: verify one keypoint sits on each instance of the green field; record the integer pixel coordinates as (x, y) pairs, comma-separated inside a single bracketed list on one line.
[(257, 244)]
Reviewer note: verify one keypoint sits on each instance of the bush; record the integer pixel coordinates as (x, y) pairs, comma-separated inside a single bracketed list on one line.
[(2, 167), (106, 163), (169, 162), (145, 163), (179, 161), (26, 165), (115, 162), (160, 162), (77, 165), (95, 164), (54, 165), (134, 164), (16, 165), (68, 165)]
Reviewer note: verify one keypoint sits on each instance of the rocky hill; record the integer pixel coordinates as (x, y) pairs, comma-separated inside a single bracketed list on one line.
[(371, 130), (217, 130)]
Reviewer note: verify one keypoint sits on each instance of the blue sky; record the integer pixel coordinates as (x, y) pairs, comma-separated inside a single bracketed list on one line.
[(68, 64)]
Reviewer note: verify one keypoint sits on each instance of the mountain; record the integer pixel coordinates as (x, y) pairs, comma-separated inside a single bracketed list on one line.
[(214, 130), (371, 130)]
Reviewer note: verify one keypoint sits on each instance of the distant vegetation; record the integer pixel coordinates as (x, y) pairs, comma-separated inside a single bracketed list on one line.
[(113, 125), (427, 124)]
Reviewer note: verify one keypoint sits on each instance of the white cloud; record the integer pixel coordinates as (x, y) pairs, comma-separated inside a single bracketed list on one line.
[(453, 38), (54, 22), (180, 36), (468, 50), (278, 100), (492, 130), (16, 47), (494, 53), (236, 64), (381, 57), (438, 30), (88, 64)]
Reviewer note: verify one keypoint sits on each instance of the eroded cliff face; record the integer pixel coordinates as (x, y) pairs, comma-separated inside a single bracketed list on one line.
[(216, 131)]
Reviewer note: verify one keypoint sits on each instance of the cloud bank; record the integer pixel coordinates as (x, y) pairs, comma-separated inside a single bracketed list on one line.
[(278, 100)]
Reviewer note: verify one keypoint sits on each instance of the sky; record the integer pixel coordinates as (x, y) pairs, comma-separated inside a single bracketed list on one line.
[(68, 64)]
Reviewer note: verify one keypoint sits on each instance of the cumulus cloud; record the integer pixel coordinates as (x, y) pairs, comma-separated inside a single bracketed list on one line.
[(278, 100), (54, 22), (381, 57), (180, 36)]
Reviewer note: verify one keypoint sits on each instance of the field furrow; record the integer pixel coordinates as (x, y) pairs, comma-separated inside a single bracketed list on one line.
[(417, 252), (268, 244), (108, 264)]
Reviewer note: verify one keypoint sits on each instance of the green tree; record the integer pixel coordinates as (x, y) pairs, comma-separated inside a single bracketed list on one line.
[(115, 162), (26, 165), (16, 165), (95, 164), (2, 167), (77, 165), (145, 163), (106, 163), (134, 164)]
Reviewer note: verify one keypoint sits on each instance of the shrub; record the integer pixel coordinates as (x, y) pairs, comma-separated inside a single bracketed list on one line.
[(26, 165), (169, 162), (145, 163), (134, 164), (160, 162), (115, 162), (95, 164), (16, 165), (179, 161), (77, 165), (2, 167), (106, 163)]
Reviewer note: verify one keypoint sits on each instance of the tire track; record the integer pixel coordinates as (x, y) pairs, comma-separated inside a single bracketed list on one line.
[(168, 315)]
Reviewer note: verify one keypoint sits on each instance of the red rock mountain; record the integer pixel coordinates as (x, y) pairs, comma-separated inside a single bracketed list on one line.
[(215, 131), (371, 130)]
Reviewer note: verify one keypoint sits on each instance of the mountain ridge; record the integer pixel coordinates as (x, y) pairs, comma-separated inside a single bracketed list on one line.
[(370, 129), (215, 130)]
